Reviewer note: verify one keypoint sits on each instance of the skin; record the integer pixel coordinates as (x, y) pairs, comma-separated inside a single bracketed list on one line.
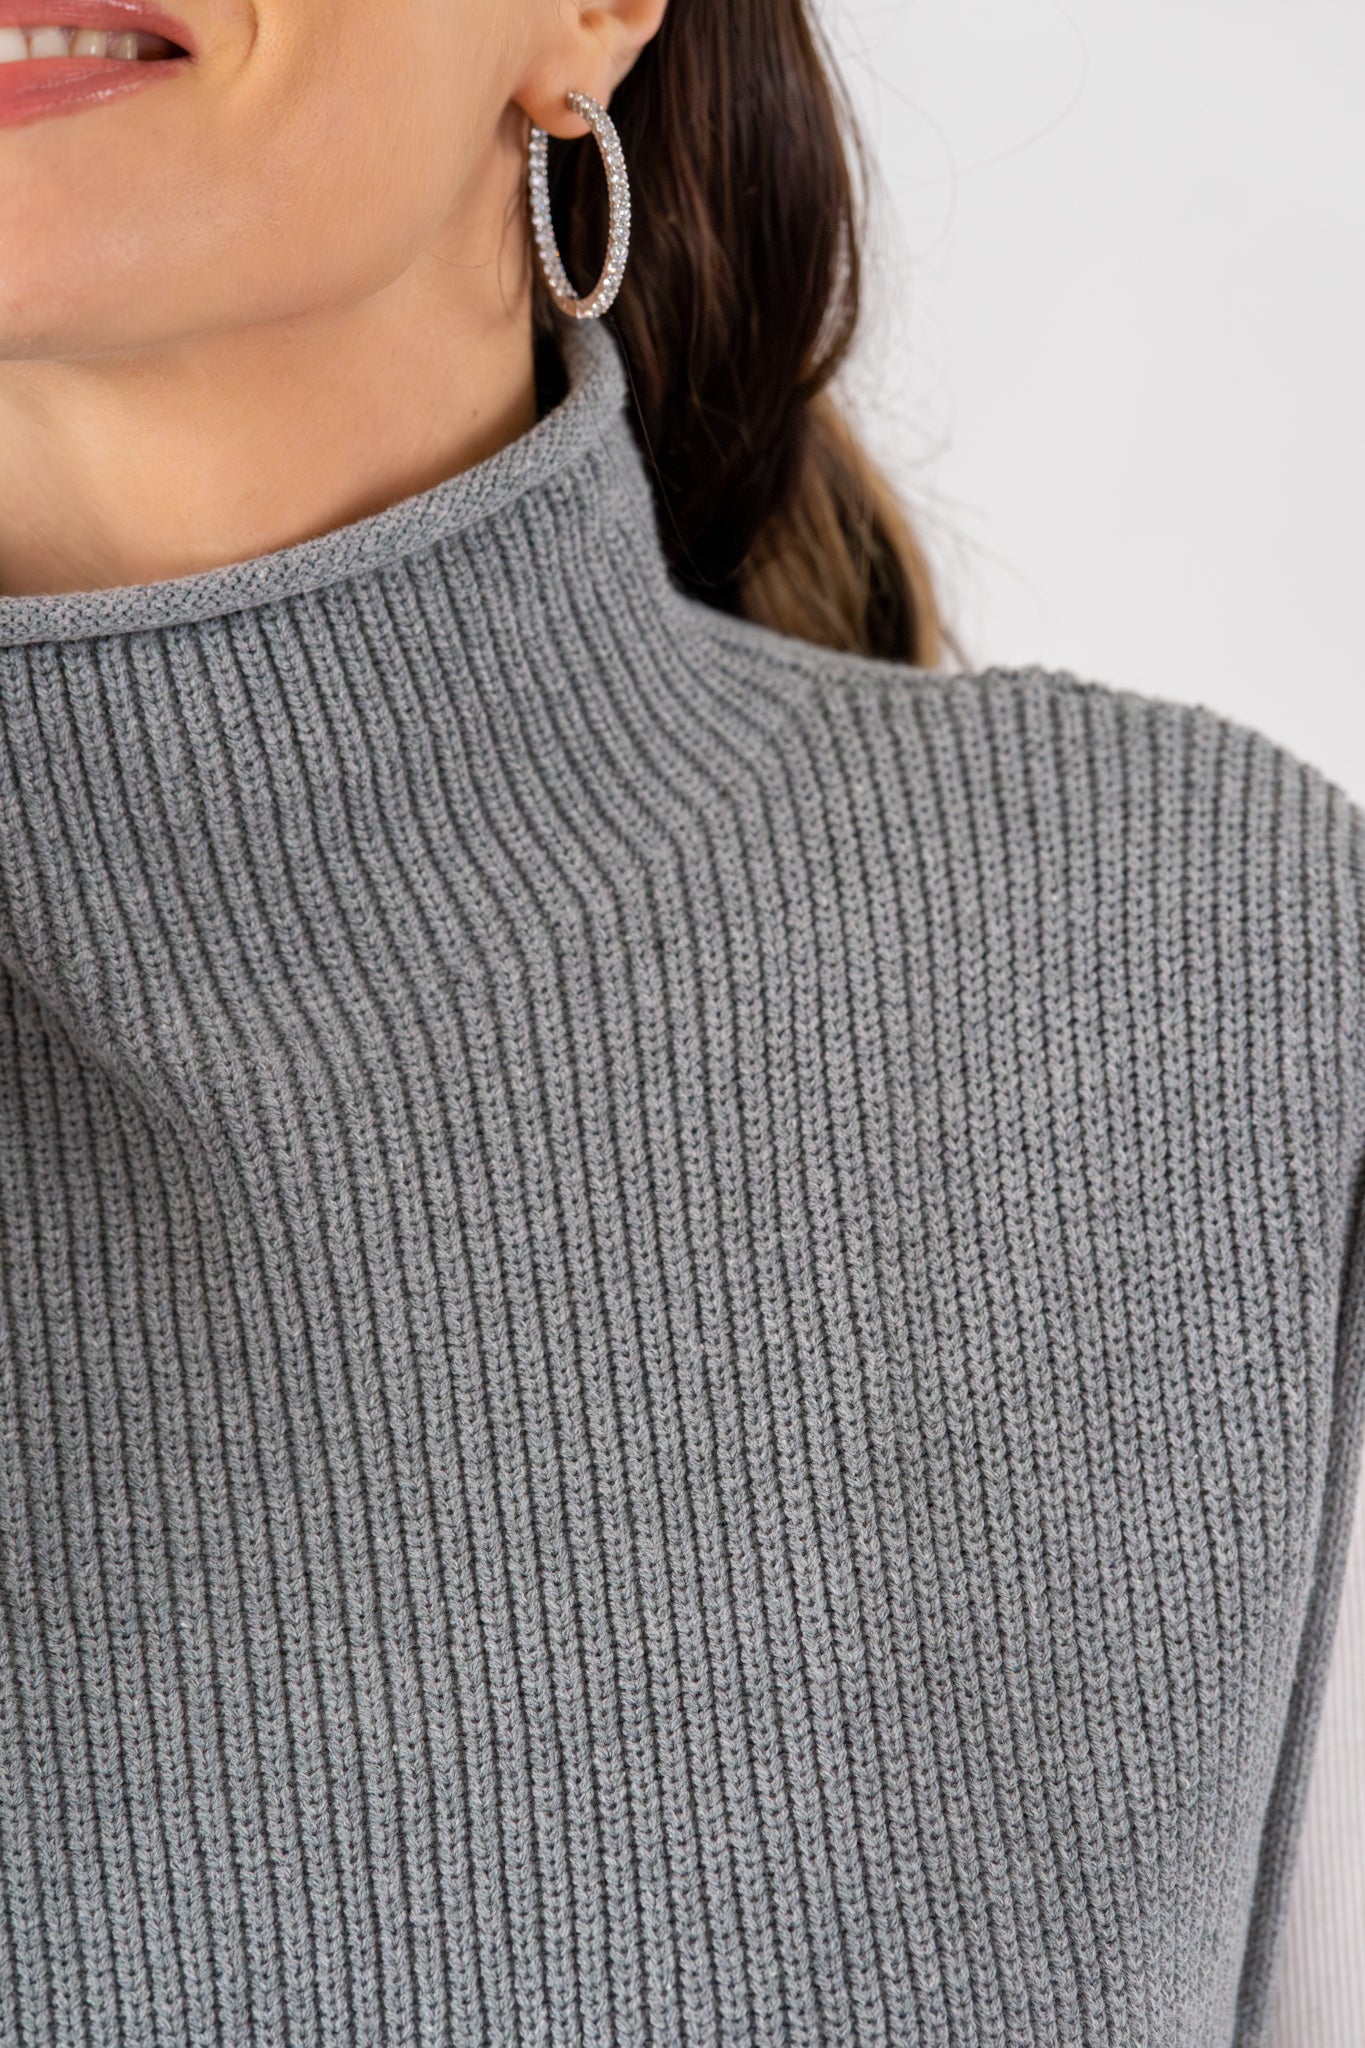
[(279, 294)]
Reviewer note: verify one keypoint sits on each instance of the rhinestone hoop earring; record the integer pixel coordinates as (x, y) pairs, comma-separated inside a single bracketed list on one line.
[(618, 202)]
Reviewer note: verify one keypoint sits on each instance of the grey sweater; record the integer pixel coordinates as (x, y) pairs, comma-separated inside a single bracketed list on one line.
[(682, 1319)]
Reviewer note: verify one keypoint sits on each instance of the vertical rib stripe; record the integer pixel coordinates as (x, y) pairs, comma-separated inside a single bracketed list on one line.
[(682, 1318)]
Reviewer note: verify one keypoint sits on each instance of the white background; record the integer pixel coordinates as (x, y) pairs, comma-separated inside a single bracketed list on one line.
[(1114, 358), (1116, 341)]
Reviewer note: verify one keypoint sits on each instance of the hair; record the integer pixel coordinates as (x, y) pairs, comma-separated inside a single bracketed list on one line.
[(740, 300)]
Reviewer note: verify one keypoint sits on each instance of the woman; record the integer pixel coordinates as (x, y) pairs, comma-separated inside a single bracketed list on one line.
[(680, 1295)]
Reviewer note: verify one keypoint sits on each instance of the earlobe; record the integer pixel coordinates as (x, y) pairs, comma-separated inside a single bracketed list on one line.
[(551, 111), (594, 48)]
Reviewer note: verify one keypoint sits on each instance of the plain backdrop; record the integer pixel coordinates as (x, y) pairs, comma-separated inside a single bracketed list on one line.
[(1116, 337), (1114, 357)]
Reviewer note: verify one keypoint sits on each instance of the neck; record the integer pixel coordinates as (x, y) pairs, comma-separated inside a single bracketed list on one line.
[(133, 468), (570, 496), (498, 673)]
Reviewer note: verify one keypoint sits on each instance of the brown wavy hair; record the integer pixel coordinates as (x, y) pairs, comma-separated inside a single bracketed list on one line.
[(740, 300)]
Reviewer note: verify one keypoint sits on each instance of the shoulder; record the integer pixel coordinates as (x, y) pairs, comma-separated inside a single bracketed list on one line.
[(1147, 779), (1090, 727), (1189, 857)]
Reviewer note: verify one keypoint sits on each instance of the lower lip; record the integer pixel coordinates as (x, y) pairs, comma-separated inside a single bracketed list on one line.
[(36, 87)]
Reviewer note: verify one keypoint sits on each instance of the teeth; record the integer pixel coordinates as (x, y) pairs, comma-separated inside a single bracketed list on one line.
[(17, 44)]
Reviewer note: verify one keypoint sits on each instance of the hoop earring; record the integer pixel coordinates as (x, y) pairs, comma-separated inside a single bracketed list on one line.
[(618, 202)]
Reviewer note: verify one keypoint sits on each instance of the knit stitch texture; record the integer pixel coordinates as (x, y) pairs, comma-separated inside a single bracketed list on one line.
[(682, 1318)]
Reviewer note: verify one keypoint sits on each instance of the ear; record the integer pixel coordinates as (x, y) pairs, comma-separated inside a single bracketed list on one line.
[(588, 46)]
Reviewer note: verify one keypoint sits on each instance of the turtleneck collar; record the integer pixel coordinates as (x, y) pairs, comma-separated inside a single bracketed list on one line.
[(583, 449), (491, 697)]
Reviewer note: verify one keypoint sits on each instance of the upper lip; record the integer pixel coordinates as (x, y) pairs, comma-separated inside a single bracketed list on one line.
[(117, 16)]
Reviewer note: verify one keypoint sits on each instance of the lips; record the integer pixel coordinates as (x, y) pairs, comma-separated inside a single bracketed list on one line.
[(39, 87), (117, 17)]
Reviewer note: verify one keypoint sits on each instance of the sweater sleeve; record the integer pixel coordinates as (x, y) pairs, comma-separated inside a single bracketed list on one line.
[(1285, 1814)]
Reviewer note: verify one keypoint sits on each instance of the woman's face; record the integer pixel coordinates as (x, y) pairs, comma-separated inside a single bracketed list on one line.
[(310, 152)]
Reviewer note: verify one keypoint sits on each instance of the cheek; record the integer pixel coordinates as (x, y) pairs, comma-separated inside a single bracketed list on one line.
[(371, 123), (340, 176), (310, 173)]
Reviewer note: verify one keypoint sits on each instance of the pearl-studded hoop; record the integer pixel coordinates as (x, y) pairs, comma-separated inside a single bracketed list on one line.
[(618, 202)]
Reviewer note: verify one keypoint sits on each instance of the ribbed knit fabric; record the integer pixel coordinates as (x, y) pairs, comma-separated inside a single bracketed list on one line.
[(682, 1319)]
